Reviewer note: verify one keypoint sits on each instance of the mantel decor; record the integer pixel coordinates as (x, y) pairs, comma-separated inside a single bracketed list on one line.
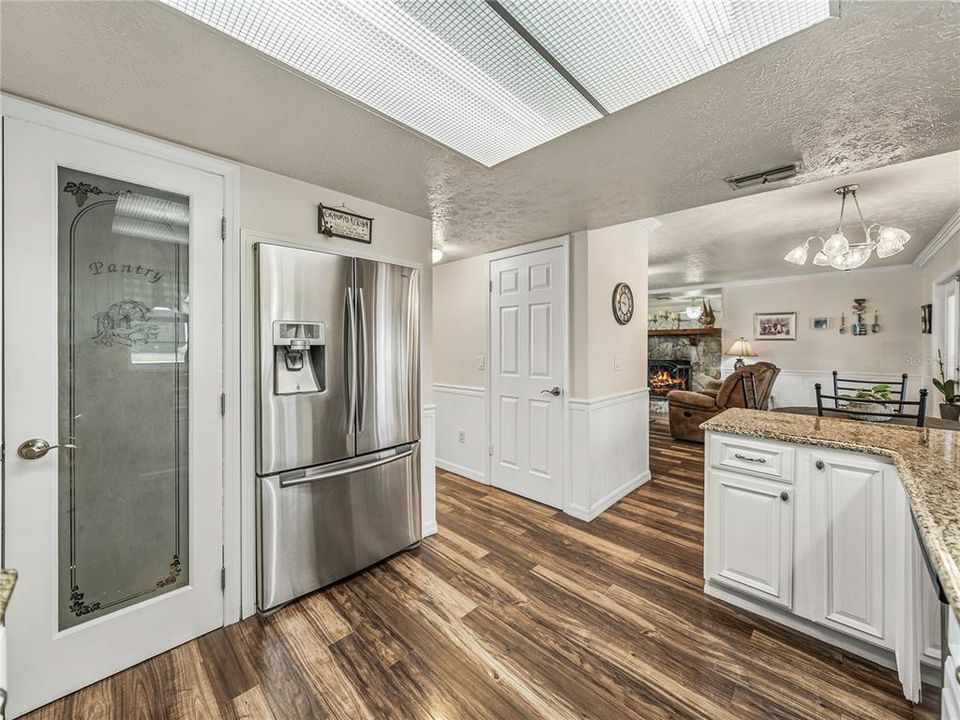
[(337, 222)]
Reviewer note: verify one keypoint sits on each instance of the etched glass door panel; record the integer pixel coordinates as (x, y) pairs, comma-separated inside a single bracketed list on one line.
[(123, 341)]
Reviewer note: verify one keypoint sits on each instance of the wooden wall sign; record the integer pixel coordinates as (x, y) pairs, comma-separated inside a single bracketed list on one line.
[(335, 222)]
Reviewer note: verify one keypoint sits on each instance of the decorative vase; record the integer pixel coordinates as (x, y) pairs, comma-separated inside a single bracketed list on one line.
[(950, 411)]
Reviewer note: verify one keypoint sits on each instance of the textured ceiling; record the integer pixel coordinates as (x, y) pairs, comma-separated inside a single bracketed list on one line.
[(879, 85), (746, 238)]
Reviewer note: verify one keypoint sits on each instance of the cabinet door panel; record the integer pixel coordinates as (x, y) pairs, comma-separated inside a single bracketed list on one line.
[(750, 536), (848, 517)]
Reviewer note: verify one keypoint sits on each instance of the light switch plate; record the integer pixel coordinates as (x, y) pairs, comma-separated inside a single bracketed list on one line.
[(480, 362), (461, 436), (617, 363)]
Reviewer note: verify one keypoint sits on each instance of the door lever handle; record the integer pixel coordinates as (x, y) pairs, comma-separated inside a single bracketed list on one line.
[(36, 448), (555, 391)]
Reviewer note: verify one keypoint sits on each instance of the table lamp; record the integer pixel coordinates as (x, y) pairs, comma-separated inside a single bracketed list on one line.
[(741, 348)]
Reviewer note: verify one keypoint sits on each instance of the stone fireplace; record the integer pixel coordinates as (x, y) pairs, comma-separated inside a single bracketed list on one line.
[(681, 359)]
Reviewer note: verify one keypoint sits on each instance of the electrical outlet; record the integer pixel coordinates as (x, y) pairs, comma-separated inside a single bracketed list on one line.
[(480, 363), (618, 363), (461, 436)]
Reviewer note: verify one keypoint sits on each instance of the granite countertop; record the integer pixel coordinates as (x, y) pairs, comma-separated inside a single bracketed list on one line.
[(927, 460), (8, 578)]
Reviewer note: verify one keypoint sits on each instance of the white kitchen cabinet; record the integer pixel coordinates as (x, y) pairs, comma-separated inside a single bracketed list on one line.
[(750, 526), (847, 545), (822, 541)]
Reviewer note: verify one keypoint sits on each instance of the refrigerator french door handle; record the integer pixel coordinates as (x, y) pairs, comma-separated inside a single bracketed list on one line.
[(347, 470), (349, 359), (364, 360)]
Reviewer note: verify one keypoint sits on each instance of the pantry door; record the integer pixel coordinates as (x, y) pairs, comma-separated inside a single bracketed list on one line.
[(112, 429)]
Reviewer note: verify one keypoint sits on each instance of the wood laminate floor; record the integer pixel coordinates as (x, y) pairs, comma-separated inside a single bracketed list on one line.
[(516, 610)]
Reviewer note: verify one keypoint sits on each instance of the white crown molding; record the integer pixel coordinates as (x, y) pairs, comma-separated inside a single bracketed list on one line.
[(696, 289), (950, 228)]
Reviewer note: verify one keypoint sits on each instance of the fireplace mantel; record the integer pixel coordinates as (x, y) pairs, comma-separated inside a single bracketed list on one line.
[(686, 331)]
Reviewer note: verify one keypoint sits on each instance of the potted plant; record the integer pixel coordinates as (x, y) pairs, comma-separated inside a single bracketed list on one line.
[(877, 392), (950, 407)]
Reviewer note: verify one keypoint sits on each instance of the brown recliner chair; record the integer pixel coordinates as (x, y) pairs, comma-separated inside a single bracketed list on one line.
[(688, 409)]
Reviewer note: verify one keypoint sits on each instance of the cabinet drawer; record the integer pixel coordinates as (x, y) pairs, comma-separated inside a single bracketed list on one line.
[(756, 457)]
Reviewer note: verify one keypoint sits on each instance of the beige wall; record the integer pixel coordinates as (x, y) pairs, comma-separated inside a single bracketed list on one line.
[(279, 205), (615, 254), (599, 259), (895, 292), (459, 292)]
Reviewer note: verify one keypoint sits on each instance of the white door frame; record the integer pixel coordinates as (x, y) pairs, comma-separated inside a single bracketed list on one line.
[(14, 107), (939, 330), (562, 242)]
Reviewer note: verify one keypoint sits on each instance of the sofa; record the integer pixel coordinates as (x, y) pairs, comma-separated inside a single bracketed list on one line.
[(688, 409)]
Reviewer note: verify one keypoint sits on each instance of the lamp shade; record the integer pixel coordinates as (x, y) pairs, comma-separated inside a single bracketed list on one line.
[(741, 348)]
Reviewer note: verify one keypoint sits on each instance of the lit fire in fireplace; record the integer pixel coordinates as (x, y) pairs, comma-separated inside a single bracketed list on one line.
[(663, 381)]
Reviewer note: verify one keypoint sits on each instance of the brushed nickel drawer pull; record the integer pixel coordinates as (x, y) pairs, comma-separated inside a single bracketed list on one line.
[(738, 456)]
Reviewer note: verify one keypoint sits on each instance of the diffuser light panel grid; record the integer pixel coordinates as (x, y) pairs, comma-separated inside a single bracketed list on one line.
[(623, 52), (451, 70)]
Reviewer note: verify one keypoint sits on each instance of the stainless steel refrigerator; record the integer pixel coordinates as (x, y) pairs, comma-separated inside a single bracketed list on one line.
[(338, 417)]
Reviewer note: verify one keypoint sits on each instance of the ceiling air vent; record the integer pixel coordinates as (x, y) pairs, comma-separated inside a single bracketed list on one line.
[(763, 177)]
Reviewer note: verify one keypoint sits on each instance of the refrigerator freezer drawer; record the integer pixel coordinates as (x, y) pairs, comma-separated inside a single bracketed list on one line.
[(325, 523)]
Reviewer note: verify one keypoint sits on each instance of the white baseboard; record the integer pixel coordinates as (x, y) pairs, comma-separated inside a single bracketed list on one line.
[(462, 471), (588, 514), (430, 528)]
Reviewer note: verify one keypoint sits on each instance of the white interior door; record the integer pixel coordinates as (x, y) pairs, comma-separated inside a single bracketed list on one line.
[(528, 305), (112, 323)]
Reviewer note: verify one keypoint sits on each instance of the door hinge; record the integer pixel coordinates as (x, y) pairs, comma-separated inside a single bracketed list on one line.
[(223, 404), (223, 227), (491, 286), (223, 578), (490, 450)]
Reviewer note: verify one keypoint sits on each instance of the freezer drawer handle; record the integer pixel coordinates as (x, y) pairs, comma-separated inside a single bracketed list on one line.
[(347, 470)]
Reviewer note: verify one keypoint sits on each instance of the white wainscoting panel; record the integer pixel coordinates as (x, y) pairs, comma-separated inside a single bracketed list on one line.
[(609, 451), (461, 408), (428, 474)]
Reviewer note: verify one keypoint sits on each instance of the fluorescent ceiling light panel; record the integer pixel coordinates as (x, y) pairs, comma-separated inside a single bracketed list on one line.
[(455, 71), (623, 52)]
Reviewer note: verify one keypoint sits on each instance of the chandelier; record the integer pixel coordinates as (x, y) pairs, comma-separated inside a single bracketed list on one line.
[(838, 252)]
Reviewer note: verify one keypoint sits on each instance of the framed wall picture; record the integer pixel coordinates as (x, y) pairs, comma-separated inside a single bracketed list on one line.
[(336, 222), (775, 326), (820, 323), (926, 319)]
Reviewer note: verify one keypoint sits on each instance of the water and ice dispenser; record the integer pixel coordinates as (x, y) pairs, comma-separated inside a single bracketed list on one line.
[(299, 357)]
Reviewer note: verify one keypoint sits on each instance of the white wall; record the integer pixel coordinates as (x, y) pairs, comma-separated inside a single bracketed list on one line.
[(615, 254), (895, 292)]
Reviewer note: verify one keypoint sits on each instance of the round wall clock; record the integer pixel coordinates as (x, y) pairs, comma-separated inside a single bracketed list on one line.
[(622, 303)]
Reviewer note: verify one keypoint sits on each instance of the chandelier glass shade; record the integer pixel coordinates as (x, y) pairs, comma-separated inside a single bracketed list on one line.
[(838, 252)]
